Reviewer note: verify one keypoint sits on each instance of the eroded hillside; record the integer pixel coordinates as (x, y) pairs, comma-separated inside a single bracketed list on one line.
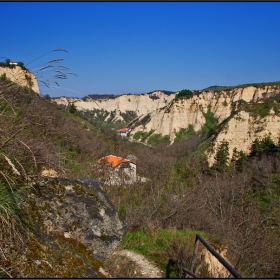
[(140, 104), (159, 117), (182, 113), (243, 129), (20, 76), (57, 227)]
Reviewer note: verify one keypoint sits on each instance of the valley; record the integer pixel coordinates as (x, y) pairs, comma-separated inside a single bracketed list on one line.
[(210, 166)]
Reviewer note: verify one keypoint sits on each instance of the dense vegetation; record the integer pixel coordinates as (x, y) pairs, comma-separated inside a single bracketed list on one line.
[(107, 120), (235, 203), (185, 93)]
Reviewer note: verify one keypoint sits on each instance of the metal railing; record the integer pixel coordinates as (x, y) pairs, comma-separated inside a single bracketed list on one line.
[(180, 264)]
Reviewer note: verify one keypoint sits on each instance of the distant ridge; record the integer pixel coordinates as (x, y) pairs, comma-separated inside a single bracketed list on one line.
[(104, 96), (220, 88), (99, 96), (167, 92)]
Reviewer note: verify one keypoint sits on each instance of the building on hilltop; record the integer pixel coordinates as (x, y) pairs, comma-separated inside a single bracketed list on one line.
[(12, 63), (124, 131)]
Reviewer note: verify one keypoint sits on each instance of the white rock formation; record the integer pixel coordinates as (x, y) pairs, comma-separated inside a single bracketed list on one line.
[(184, 112), (168, 116), (242, 130), (141, 104), (19, 76)]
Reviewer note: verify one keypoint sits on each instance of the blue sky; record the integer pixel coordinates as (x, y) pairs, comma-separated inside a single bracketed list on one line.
[(137, 47)]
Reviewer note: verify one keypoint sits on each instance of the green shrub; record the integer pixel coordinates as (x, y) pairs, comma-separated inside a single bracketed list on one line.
[(158, 138), (72, 108), (138, 135), (260, 109), (239, 159), (11, 221), (185, 133), (145, 120), (3, 78), (147, 134), (222, 157), (142, 136), (128, 116), (262, 147), (46, 96), (210, 124), (29, 81), (185, 93)]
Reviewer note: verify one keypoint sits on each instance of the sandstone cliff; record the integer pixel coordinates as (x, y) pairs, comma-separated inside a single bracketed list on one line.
[(241, 131), (166, 115), (184, 112), (21, 77), (141, 104)]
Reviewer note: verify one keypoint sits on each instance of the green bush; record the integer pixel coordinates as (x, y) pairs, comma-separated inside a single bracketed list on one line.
[(72, 108), (145, 120), (128, 116), (147, 134), (222, 157), (210, 124), (239, 159), (260, 109), (21, 64), (138, 135), (11, 220), (3, 78), (185, 93), (29, 81), (46, 96), (158, 138), (263, 147), (185, 133)]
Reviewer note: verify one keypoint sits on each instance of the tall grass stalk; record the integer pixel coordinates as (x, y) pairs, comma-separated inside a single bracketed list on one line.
[(47, 73), (10, 220)]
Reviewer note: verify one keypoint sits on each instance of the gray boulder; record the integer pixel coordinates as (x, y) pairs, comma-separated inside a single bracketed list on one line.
[(68, 211)]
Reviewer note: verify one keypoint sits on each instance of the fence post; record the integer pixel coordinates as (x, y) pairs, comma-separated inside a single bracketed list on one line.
[(194, 253), (219, 257)]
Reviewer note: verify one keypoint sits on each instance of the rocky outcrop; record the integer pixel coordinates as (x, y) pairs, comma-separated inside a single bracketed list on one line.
[(76, 211), (184, 112), (21, 77), (141, 104), (241, 131)]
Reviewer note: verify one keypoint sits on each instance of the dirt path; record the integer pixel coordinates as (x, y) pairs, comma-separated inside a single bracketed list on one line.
[(148, 269)]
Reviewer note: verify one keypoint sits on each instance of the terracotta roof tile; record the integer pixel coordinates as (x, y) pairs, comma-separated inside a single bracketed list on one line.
[(112, 161), (126, 129)]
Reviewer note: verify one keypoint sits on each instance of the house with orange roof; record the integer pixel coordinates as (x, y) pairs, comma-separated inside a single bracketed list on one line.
[(114, 170), (124, 131)]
